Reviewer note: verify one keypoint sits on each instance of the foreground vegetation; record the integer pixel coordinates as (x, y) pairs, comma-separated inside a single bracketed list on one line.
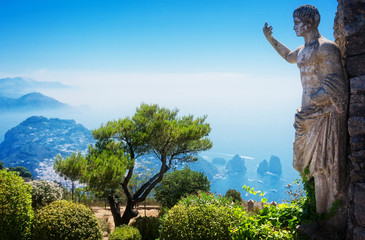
[(36, 210), (200, 215)]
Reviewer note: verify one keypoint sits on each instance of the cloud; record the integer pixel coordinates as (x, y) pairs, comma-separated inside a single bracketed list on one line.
[(206, 89)]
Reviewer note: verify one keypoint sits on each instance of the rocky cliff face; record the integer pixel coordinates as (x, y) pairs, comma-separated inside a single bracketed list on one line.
[(35, 142), (350, 36)]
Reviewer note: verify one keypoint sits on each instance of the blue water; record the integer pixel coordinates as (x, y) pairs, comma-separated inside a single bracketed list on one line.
[(274, 187)]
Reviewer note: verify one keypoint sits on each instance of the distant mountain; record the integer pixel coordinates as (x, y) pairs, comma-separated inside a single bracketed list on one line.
[(36, 141), (219, 161), (236, 164), (31, 101), (16, 87)]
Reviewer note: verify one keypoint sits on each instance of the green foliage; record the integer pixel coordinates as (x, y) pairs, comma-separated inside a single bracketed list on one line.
[(308, 202), (178, 184), (201, 216), (172, 137), (1, 165), (23, 172), (71, 168), (270, 223), (252, 191), (147, 226), (106, 166), (16, 211), (279, 222), (66, 220), (44, 192), (234, 194), (125, 232), (109, 164)]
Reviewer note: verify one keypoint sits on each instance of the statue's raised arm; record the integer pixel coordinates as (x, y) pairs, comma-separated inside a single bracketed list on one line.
[(284, 51)]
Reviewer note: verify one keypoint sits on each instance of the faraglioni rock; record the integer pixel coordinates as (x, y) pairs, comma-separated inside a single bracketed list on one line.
[(275, 165), (263, 167), (236, 164), (36, 141)]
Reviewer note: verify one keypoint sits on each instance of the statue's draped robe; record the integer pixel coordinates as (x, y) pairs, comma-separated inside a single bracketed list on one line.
[(320, 140)]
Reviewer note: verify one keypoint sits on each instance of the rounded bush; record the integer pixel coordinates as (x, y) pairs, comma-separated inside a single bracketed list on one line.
[(178, 184), (44, 192), (203, 216), (15, 207), (147, 226), (125, 232), (66, 220), (234, 194)]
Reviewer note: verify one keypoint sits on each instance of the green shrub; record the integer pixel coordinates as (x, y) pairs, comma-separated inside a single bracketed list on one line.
[(270, 223), (15, 207), (234, 194), (125, 232), (62, 220), (44, 192), (178, 184), (201, 216), (147, 226)]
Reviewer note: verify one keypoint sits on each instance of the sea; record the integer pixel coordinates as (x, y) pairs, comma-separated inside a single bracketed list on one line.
[(275, 187)]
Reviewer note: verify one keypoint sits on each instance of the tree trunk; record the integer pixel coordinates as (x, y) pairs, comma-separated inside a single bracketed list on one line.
[(115, 209), (72, 190), (129, 213)]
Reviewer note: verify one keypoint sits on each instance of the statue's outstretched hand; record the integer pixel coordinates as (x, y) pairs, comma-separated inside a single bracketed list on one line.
[(267, 30)]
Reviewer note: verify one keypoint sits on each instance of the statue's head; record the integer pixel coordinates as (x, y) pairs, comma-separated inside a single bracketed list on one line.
[(306, 17)]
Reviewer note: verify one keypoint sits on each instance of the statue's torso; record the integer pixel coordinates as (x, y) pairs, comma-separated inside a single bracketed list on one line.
[(311, 74), (312, 61)]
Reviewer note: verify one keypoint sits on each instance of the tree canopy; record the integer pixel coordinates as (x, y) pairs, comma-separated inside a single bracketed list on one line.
[(152, 130)]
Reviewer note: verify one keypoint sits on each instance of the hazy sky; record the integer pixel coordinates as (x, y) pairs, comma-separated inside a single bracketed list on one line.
[(201, 56)]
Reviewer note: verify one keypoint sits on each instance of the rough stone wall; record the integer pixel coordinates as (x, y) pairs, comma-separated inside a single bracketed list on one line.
[(350, 36)]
